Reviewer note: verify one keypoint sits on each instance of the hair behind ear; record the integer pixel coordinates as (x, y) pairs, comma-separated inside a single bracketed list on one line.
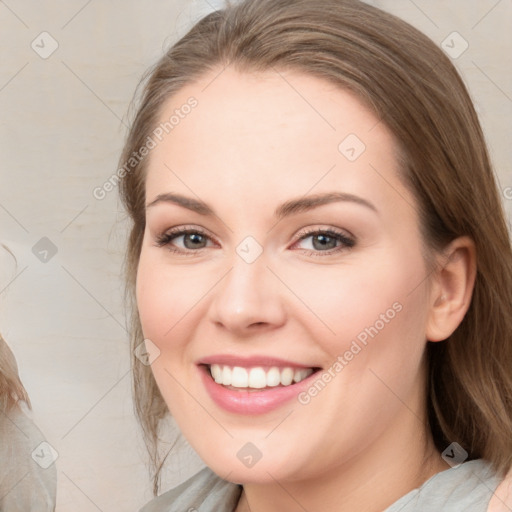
[(11, 388)]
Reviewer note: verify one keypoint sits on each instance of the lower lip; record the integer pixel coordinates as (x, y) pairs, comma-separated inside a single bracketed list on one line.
[(251, 402)]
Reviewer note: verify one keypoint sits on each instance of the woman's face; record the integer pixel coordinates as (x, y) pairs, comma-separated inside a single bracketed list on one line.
[(301, 260)]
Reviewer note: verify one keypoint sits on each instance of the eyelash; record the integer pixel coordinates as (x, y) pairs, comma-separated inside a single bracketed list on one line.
[(165, 239)]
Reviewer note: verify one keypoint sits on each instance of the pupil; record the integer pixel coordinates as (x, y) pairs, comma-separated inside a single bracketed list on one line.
[(324, 242), (194, 238)]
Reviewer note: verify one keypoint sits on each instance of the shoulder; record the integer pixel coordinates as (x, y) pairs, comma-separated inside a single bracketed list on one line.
[(204, 489), (467, 487), (31, 478)]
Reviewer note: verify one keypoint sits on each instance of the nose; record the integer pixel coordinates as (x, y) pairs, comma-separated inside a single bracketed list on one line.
[(248, 299)]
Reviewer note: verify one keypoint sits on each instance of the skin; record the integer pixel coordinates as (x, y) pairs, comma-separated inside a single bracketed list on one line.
[(501, 500), (253, 142)]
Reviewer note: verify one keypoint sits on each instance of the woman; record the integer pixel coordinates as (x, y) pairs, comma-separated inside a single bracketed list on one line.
[(27, 470), (320, 266)]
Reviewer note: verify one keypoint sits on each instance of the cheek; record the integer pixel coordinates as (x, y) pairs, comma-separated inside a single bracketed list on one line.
[(164, 298), (382, 349), (151, 300), (166, 295), (381, 297)]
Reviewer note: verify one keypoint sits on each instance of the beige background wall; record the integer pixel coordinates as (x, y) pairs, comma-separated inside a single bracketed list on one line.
[(62, 122)]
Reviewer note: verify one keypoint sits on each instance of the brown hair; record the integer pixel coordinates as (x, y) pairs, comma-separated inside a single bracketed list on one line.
[(417, 93), (11, 388)]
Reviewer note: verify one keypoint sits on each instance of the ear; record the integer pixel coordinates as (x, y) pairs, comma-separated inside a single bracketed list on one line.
[(451, 288)]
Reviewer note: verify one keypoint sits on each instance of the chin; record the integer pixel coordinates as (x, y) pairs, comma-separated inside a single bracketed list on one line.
[(245, 463)]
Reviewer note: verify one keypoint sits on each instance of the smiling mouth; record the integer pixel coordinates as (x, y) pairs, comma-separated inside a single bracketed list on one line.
[(257, 378)]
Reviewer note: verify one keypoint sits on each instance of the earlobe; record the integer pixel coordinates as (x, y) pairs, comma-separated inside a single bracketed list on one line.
[(452, 289)]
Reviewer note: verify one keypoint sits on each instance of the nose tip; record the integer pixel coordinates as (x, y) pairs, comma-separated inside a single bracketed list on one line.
[(247, 299)]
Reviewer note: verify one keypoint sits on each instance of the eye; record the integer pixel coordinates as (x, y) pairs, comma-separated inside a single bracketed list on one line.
[(320, 242), (183, 240), (316, 242)]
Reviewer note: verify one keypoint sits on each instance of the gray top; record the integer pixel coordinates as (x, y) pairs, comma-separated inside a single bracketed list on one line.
[(28, 476), (467, 487)]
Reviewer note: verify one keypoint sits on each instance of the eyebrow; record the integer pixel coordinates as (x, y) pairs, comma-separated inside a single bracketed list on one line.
[(291, 207)]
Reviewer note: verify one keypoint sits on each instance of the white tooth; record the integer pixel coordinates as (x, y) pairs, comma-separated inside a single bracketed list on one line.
[(286, 376), (257, 378), (273, 377), (298, 375), (226, 376), (303, 373), (239, 377), (216, 373)]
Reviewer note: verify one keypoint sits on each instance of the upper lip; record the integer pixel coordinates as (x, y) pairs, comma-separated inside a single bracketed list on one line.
[(251, 361)]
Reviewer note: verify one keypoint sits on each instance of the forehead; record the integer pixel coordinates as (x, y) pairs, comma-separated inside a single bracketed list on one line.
[(252, 132)]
